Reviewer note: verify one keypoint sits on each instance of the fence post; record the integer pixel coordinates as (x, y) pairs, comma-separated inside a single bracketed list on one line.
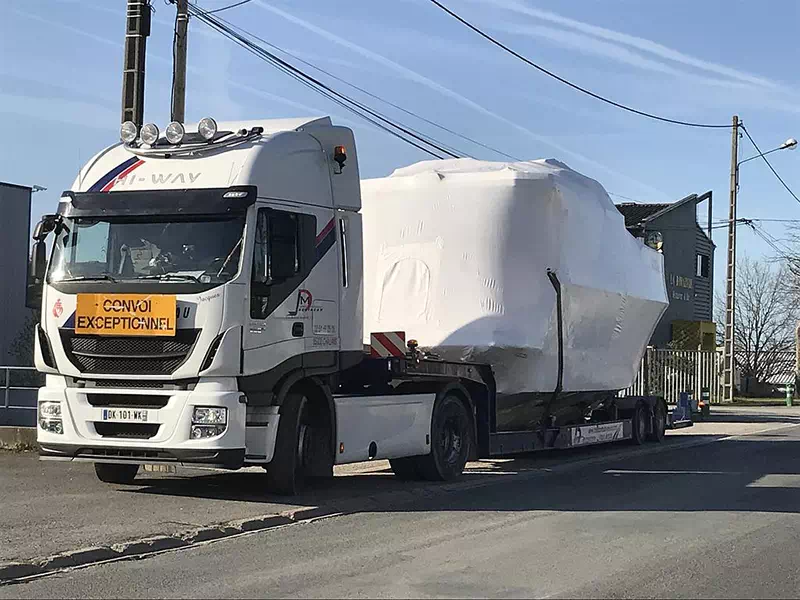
[(7, 387)]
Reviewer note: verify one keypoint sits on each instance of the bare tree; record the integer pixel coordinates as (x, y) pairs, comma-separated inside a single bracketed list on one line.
[(766, 314), (21, 347)]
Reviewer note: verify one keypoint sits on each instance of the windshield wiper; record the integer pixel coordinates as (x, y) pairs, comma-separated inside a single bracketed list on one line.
[(179, 276), (103, 277)]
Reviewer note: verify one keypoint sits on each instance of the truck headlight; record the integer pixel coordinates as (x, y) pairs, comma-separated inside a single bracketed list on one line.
[(50, 417), (208, 421), (210, 415)]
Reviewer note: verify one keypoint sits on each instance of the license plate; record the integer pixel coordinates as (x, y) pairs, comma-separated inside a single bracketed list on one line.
[(125, 415), (125, 314)]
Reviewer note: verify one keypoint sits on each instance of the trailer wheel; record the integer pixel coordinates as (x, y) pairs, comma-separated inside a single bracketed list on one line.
[(115, 472), (405, 469), (639, 424), (659, 423), (451, 441), (286, 473)]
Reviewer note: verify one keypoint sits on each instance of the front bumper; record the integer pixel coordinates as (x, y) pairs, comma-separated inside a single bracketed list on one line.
[(232, 458), (168, 439)]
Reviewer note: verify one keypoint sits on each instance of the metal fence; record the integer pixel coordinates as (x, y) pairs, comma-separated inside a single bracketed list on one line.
[(20, 386), (667, 373)]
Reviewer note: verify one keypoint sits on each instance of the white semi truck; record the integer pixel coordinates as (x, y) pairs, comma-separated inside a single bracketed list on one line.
[(203, 302)]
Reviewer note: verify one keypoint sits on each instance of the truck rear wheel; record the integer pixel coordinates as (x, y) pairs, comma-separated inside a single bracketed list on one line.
[(659, 427), (115, 472), (639, 424), (451, 441)]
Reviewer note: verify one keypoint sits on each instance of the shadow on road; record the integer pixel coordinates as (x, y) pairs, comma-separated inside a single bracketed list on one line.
[(752, 417), (760, 473)]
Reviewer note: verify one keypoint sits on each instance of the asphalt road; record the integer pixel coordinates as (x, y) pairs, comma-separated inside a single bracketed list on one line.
[(716, 520)]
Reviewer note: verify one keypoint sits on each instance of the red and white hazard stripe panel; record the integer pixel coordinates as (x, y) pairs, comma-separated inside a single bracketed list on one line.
[(387, 343)]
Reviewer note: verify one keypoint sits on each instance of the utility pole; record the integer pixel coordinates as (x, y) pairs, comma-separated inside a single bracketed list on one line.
[(137, 28), (728, 353), (797, 356), (179, 68)]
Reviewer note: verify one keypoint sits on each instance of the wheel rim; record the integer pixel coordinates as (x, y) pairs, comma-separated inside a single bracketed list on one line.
[(642, 422), (451, 439), (304, 435)]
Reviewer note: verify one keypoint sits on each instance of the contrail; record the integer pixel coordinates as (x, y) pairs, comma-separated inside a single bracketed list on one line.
[(429, 83)]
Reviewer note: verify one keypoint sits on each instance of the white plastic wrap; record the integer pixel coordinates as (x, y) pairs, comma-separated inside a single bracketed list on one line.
[(456, 254)]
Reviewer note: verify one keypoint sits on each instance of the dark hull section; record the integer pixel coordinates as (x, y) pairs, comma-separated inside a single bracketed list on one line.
[(523, 412)]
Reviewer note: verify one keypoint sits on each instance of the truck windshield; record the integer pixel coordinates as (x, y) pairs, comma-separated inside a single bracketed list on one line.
[(195, 249)]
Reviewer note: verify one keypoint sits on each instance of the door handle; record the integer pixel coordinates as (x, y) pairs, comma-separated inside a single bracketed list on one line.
[(297, 329)]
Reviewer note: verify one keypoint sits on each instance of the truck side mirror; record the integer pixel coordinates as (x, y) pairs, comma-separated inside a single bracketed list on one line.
[(47, 224), (38, 261)]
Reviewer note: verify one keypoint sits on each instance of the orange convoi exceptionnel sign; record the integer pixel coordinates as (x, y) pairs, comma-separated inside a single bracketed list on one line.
[(125, 314)]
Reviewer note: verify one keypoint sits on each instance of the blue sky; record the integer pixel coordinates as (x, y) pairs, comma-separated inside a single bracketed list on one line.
[(692, 60)]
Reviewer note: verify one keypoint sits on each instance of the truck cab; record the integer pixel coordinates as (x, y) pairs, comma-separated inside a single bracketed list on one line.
[(189, 284)]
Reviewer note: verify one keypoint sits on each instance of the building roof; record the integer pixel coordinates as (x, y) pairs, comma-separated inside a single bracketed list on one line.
[(635, 213)]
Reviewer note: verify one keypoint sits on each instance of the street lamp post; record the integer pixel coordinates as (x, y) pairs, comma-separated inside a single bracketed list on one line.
[(728, 353)]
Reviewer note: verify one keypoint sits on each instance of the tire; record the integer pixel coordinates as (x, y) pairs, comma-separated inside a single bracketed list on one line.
[(405, 469), (115, 472), (659, 427), (451, 441), (639, 424), (288, 470)]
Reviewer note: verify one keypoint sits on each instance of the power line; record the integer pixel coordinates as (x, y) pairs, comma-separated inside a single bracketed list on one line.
[(574, 86), (371, 95), (781, 252), (766, 160), (775, 220), (234, 5), (626, 198), (359, 109), (377, 119)]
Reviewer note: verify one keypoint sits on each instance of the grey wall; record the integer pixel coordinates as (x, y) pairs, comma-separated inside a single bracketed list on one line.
[(690, 297), (15, 207)]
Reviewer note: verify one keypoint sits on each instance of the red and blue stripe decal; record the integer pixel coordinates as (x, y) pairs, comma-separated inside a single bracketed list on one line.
[(325, 239), (109, 180)]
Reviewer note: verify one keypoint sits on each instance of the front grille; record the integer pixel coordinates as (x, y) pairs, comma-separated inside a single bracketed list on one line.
[(138, 431), (128, 355), (127, 400), (135, 384)]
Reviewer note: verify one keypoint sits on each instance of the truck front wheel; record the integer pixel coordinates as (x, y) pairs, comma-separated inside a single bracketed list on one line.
[(287, 472), (115, 472), (451, 441)]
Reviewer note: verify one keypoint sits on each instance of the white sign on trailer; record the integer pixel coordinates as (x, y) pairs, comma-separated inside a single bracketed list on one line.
[(597, 434)]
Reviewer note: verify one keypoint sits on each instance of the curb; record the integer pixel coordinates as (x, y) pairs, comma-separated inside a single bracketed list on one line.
[(11, 573), (17, 438)]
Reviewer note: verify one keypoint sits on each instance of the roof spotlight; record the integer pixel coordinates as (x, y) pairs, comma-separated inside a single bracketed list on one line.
[(149, 134), (128, 132), (207, 128), (175, 132)]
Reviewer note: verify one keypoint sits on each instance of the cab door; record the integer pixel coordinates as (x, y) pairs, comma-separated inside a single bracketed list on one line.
[(288, 288)]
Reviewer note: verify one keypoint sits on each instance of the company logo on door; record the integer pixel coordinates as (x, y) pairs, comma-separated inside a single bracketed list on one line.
[(304, 303), (58, 308)]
